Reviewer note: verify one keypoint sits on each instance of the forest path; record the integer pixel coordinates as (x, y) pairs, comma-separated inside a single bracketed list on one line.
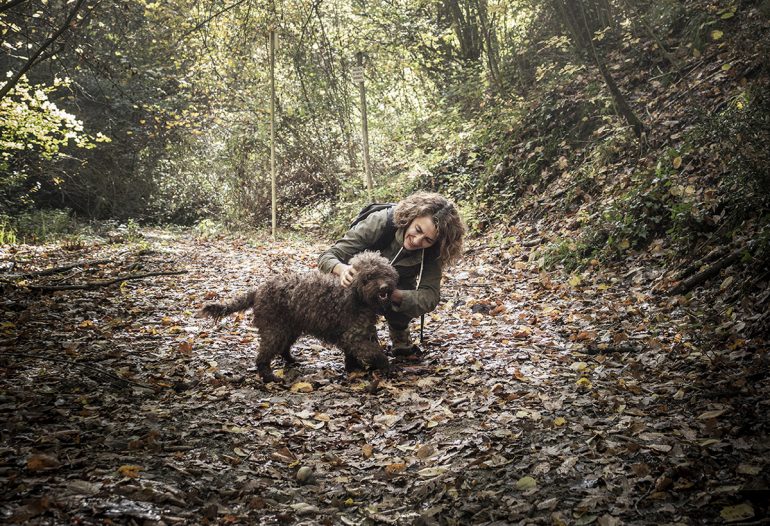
[(541, 400)]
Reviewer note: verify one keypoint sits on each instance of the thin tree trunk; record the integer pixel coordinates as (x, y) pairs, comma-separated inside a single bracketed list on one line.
[(621, 104), (490, 43)]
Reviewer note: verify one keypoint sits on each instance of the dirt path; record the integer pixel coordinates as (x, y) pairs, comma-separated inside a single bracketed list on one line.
[(543, 399)]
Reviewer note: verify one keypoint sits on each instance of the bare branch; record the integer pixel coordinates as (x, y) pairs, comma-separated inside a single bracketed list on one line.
[(11, 3), (104, 283), (9, 85)]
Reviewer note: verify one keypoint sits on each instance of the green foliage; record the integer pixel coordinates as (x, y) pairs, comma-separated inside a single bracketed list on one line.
[(566, 253), (336, 215), (739, 137), (7, 231), (209, 229), (40, 226), (34, 130)]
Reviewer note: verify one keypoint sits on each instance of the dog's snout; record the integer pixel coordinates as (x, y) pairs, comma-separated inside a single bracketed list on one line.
[(385, 291)]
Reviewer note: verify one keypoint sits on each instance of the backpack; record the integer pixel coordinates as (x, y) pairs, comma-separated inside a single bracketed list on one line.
[(389, 233)]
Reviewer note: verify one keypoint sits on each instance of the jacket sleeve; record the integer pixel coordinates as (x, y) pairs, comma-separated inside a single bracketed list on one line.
[(359, 238), (425, 299)]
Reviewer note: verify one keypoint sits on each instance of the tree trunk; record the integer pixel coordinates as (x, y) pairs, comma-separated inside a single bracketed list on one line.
[(582, 21), (621, 104), (466, 30), (490, 43)]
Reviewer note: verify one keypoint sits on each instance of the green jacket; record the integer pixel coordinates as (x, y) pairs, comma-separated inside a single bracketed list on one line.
[(363, 236)]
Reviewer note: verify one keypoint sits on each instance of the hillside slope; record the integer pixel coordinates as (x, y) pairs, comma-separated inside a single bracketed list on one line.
[(686, 207)]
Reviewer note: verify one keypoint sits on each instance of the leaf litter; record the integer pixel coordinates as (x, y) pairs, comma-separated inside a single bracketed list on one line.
[(543, 399)]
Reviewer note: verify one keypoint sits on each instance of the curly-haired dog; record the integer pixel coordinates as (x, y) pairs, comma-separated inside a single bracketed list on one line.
[(286, 307)]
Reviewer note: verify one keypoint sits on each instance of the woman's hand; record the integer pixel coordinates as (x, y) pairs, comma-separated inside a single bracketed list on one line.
[(346, 273), (396, 296)]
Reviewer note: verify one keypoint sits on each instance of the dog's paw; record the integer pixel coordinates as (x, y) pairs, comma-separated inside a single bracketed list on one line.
[(268, 377)]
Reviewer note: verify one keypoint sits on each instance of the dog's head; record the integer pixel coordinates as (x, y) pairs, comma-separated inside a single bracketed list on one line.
[(375, 280)]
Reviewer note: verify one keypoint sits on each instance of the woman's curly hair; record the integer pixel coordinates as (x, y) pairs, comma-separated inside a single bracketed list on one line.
[(446, 218)]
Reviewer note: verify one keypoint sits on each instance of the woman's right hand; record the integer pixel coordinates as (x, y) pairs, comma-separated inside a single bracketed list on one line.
[(346, 273)]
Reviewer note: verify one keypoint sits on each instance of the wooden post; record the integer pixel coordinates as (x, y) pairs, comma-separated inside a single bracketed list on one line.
[(364, 124), (272, 131)]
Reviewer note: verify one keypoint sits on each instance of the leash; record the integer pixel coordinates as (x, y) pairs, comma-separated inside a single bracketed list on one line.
[(419, 279)]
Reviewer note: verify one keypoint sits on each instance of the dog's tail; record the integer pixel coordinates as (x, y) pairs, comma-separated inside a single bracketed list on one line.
[(220, 310)]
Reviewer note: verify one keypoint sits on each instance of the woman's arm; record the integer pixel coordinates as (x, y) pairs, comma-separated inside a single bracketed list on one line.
[(359, 238)]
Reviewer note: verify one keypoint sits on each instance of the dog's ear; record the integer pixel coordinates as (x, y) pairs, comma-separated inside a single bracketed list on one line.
[(357, 284)]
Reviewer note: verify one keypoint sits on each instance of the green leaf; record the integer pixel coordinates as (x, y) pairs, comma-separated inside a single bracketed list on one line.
[(738, 513), (525, 483)]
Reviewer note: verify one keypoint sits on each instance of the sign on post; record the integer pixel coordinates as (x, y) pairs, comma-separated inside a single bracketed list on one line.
[(357, 73)]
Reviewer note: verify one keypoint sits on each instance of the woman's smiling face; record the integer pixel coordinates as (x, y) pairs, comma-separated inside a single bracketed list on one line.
[(421, 233)]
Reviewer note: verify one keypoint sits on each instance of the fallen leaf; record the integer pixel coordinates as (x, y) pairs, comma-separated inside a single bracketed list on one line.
[(738, 513), (283, 455), (301, 387), (608, 520), (185, 348), (584, 383), (525, 483), (433, 472), (130, 471), (497, 310), (42, 462), (393, 469), (708, 415), (748, 469), (425, 451)]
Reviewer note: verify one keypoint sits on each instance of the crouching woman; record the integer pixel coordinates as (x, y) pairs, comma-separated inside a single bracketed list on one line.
[(420, 236)]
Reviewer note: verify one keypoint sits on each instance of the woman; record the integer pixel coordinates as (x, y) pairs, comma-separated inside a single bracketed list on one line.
[(420, 236)]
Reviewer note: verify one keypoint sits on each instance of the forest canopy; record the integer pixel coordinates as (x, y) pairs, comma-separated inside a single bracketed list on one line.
[(159, 111)]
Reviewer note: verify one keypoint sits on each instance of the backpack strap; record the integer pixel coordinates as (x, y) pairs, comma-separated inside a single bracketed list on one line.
[(388, 233)]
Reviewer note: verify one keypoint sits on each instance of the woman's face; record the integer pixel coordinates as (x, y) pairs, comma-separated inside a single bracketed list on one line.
[(421, 233)]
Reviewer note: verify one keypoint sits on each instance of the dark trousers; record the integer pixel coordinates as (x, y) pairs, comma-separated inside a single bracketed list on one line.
[(397, 320)]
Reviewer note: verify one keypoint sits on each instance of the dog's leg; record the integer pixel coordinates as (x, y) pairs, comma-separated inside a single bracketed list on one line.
[(362, 352), (352, 364), (271, 344), (286, 351)]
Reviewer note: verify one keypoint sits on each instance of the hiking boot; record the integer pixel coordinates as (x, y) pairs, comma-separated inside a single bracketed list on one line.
[(413, 352), (402, 346)]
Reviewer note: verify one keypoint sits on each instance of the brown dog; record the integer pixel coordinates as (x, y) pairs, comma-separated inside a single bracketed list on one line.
[(286, 307)]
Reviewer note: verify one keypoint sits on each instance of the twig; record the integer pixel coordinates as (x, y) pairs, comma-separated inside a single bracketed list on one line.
[(715, 254), (529, 243), (690, 283), (79, 364), (106, 282), (57, 270)]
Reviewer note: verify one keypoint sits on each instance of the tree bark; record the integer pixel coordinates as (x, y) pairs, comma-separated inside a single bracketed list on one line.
[(620, 101)]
